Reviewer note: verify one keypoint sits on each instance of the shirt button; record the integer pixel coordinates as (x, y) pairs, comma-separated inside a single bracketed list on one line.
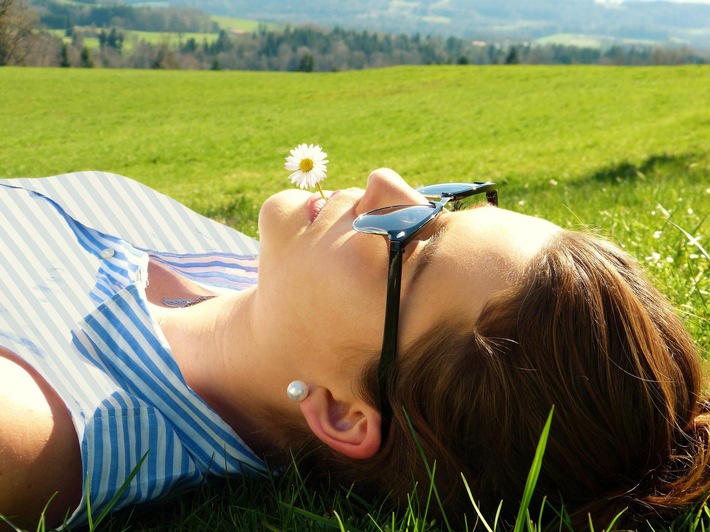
[(107, 253)]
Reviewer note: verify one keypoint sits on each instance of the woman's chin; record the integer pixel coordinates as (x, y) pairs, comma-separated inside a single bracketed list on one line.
[(282, 214)]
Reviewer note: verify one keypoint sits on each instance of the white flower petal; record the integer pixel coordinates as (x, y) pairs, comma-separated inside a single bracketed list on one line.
[(313, 176), (292, 164)]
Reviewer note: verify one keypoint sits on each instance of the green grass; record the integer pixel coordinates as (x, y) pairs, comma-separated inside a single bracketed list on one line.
[(172, 39), (570, 39), (130, 37), (623, 151), (169, 38), (590, 41), (242, 24)]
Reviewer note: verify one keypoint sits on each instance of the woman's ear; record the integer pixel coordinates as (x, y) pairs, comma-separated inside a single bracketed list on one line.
[(352, 429)]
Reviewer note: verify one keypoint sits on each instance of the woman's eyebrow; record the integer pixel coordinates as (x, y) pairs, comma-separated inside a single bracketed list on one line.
[(427, 254)]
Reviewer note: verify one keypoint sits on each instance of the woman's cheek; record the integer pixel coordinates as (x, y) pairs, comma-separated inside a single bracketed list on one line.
[(358, 274)]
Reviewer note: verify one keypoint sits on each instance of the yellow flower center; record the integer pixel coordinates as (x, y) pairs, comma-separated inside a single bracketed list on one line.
[(306, 165)]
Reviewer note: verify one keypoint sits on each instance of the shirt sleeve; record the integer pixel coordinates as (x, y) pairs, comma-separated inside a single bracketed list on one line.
[(142, 216)]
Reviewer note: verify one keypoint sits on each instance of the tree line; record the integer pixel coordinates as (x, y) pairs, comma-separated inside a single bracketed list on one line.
[(55, 15), (509, 19), (303, 48)]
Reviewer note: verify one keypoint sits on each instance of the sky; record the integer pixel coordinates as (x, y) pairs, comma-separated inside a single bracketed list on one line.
[(682, 1), (674, 1)]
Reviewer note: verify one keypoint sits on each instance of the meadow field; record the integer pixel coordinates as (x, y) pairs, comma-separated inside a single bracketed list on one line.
[(174, 39), (133, 37), (621, 151)]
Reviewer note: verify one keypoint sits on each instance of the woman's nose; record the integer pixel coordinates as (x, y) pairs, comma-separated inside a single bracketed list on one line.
[(385, 187)]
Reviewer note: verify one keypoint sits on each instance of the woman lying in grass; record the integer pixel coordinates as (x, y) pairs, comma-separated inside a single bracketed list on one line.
[(139, 354)]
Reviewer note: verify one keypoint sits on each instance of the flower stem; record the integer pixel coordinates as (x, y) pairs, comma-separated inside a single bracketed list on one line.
[(321, 191)]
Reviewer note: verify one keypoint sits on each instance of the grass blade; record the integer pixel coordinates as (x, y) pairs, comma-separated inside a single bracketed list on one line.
[(475, 506), (533, 475), (430, 472), (109, 507)]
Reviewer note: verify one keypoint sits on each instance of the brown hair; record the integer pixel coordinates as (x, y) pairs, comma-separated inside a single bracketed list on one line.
[(585, 331)]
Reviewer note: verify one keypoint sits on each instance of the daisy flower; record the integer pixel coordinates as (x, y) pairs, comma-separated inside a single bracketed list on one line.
[(307, 162)]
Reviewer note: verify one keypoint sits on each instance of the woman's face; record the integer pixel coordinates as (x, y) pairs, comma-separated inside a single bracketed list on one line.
[(322, 285)]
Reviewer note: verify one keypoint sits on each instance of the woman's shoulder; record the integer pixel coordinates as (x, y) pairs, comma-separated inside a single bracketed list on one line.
[(39, 449)]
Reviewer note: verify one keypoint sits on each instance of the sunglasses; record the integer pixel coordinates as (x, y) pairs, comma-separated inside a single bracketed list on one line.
[(401, 223)]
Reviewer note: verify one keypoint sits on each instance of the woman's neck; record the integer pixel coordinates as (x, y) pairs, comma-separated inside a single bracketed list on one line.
[(223, 360)]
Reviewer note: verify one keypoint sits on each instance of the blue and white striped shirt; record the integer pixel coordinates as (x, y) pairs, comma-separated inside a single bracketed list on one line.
[(74, 251)]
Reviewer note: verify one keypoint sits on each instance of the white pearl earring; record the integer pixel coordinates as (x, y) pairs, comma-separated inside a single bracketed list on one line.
[(297, 391)]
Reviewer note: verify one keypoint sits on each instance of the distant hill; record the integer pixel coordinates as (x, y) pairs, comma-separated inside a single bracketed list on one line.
[(665, 22)]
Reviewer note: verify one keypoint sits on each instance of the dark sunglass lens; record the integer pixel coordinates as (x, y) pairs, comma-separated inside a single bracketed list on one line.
[(456, 190), (396, 218), (447, 189)]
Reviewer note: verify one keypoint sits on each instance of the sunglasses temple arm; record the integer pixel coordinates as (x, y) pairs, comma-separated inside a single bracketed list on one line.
[(389, 342)]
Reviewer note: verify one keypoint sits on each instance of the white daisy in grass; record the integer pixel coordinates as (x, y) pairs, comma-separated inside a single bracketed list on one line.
[(307, 162)]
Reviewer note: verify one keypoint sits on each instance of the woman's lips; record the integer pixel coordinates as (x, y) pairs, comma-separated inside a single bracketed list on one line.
[(316, 203)]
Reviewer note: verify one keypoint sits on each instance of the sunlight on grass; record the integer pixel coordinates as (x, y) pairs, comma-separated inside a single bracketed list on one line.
[(619, 151)]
